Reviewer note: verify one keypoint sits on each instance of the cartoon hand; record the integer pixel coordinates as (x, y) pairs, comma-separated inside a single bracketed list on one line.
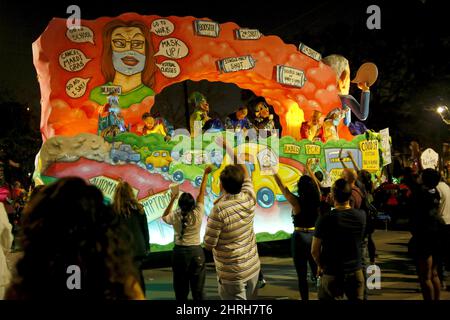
[(363, 86)]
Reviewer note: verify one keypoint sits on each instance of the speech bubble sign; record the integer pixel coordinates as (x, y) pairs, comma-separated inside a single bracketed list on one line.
[(247, 34), (80, 35), (172, 48), (206, 28), (73, 60), (290, 76), (76, 87), (236, 64), (169, 68), (309, 52), (162, 27)]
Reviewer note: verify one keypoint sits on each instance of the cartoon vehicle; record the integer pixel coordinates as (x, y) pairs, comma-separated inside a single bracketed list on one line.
[(159, 159), (124, 153), (181, 171), (265, 186)]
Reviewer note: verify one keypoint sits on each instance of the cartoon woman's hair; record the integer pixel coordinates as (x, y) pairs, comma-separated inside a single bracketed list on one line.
[(148, 74)]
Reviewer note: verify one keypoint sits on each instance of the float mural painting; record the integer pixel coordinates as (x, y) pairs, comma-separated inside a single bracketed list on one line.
[(99, 80)]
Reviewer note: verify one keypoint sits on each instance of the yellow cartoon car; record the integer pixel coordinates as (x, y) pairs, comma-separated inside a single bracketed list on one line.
[(159, 159), (264, 184)]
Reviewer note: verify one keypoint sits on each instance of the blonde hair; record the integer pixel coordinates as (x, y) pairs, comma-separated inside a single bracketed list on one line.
[(125, 202)]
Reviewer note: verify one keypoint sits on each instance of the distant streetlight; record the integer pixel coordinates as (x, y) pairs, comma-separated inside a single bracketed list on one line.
[(444, 113)]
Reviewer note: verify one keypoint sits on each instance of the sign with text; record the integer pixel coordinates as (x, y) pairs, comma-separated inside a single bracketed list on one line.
[(429, 159), (247, 34), (291, 149), (309, 52), (155, 205), (206, 28), (107, 186), (290, 76), (111, 89), (370, 155), (385, 147), (236, 64), (312, 149)]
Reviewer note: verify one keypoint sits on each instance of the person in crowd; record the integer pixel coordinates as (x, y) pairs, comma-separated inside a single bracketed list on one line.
[(6, 239), (312, 129), (336, 247), (73, 248), (230, 235), (131, 214), (201, 110), (188, 256), (427, 227), (444, 211), (357, 196), (305, 211)]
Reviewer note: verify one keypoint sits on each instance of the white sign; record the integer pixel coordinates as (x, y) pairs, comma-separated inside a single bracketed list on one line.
[(309, 52), (76, 87), (111, 89), (247, 34), (429, 159), (236, 64), (73, 60), (172, 48), (80, 35), (386, 147), (206, 28), (155, 205), (169, 68), (107, 186), (290, 76), (162, 27)]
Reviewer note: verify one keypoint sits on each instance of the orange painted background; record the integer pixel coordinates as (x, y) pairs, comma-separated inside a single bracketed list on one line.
[(62, 115)]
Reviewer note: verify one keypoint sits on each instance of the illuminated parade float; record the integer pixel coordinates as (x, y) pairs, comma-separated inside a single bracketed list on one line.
[(102, 83)]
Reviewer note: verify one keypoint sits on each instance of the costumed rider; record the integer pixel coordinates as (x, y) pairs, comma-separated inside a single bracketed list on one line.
[(367, 75), (238, 122), (263, 119), (312, 129), (201, 109), (154, 124)]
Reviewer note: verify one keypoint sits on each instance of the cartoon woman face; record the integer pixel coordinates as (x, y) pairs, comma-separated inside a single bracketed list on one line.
[(128, 50)]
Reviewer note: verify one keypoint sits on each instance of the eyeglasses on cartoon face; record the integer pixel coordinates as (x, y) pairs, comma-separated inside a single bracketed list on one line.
[(122, 43)]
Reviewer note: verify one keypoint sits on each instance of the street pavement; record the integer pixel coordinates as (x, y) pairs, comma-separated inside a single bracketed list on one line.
[(398, 275)]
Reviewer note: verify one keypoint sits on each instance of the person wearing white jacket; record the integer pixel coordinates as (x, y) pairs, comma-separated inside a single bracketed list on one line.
[(6, 240)]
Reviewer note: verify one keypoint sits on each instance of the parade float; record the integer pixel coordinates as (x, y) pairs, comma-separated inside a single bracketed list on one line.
[(98, 80)]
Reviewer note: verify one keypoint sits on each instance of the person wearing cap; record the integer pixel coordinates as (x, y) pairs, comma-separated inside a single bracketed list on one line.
[(365, 77)]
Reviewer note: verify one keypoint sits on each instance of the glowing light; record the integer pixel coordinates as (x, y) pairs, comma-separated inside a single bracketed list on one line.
[(294, 119), (441, 109)]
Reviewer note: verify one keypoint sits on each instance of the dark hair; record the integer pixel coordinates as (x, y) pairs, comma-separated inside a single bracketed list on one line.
[(365, 178), (146, 115), (319, 175), (68, 224), (430, 178), (308, 193), (342, 191), (232, 179), (186, 204)]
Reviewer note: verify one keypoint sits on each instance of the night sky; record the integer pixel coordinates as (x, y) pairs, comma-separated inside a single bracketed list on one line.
[(411, 50)]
